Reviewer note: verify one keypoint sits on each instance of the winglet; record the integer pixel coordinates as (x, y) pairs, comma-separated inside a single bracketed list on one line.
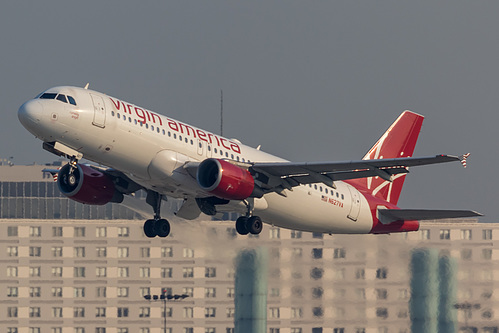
[(463, 159)]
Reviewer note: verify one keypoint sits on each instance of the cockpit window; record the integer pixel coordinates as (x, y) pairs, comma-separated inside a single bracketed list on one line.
[(48, 96), (62, 98), (71, 100)]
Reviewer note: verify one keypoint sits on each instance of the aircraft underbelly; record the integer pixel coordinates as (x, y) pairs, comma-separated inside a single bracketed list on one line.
[(315, 212)]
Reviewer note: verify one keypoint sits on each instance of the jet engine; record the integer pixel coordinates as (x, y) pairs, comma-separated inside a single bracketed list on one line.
[(87, 185), (225, 180)]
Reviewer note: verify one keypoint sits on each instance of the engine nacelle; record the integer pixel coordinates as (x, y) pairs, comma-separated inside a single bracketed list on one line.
[(225, 180), (87, 185)]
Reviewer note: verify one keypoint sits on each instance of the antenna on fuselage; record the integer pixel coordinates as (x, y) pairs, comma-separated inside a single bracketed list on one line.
[(221, 112), (86, 86)]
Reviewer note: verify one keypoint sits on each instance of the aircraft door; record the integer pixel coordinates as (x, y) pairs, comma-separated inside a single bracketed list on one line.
[(99, 111), (355, 207)]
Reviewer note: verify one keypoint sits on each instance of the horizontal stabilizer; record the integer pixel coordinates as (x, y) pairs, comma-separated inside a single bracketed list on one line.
[(424, 214)]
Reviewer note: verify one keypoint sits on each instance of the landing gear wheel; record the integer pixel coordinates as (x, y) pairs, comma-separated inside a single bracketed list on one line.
[(241, 225), (254, 225), (149, 228), (162, 228)]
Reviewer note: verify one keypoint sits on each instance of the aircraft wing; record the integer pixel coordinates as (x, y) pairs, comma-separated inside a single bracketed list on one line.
[(293, 174)]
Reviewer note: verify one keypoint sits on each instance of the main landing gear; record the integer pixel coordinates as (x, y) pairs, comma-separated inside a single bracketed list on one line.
[(249, 224), (157, 226)]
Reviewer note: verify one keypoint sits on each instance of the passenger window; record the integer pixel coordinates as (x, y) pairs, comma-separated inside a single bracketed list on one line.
[(326, 191), (157, 129), (62, 98), (71, 100), (129, 119), (147, 125), (112, 113), (152, 128), (135, 121), (215, 150), (118, 116), (48, 96)]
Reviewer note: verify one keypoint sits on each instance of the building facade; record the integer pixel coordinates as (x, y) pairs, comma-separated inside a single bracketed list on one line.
[(65, 273)]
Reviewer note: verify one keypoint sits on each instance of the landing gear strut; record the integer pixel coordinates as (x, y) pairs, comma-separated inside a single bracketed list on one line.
[(249, 224), (157, 226)]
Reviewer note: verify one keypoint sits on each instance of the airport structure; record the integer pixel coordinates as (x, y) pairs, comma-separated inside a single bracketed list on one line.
[(72, 268)]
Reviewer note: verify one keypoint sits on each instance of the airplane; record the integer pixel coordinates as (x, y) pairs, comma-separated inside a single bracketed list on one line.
[(145, 150)]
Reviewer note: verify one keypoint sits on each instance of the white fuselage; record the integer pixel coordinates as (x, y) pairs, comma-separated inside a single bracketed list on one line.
[(152, 149)]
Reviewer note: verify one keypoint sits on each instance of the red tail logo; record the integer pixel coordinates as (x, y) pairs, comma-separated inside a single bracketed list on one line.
[(398, 141)]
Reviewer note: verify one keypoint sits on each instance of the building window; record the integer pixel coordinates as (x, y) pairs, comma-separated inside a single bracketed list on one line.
[(317, 311), (381, 293), (123, 232), (57, 312), (35, 251), (56, 231), (145, 252), (57, 271), (425, 234), (56, 251), (145, 291), (274, 233), (79, 312), (145, 272), (210, 272), (188, 272), (317, 253), (230, 292), (188, 312), (166, 252), (12, 312), (381, 273), (296, 234), (12, 231), (100, 292), (101, 252), (79, 231), (79, 272), (122, 312), (274, 330), (317, 292), (123, 252), (360, 293), (360, 274), (297, 252), (188, 329), (487, 254), (122, 292), (487, 234), (466, 234), (144, 312), (339, 253), (34, 312), (210, 292), (210, 312), (12, 292), (296, 330), (34, 271), (166, 272), (100, 330), (35, 231), (123, 272), (274, 312), (12, 271), (12, 251), (466, 254), (56, 292), (100, 312), (35, 291), (79, 292), (296, 313), (188, 291), (101, 232), (382, 313), (445, 234), (79, 252), (188, 253), (316, 273), (318, 235)]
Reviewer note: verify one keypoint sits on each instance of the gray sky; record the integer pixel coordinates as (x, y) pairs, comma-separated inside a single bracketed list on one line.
[(308, 80)]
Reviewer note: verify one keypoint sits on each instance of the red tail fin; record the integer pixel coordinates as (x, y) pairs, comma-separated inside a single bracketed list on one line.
[(398, 141)]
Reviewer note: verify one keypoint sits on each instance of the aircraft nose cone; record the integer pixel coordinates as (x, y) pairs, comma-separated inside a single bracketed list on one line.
[(30, 113)]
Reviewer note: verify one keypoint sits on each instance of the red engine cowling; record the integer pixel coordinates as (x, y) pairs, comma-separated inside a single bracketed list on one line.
[(86, 185), (225, 180)]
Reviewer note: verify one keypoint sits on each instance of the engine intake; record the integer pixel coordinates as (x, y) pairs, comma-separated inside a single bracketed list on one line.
[(225, 180), (87, 185)]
